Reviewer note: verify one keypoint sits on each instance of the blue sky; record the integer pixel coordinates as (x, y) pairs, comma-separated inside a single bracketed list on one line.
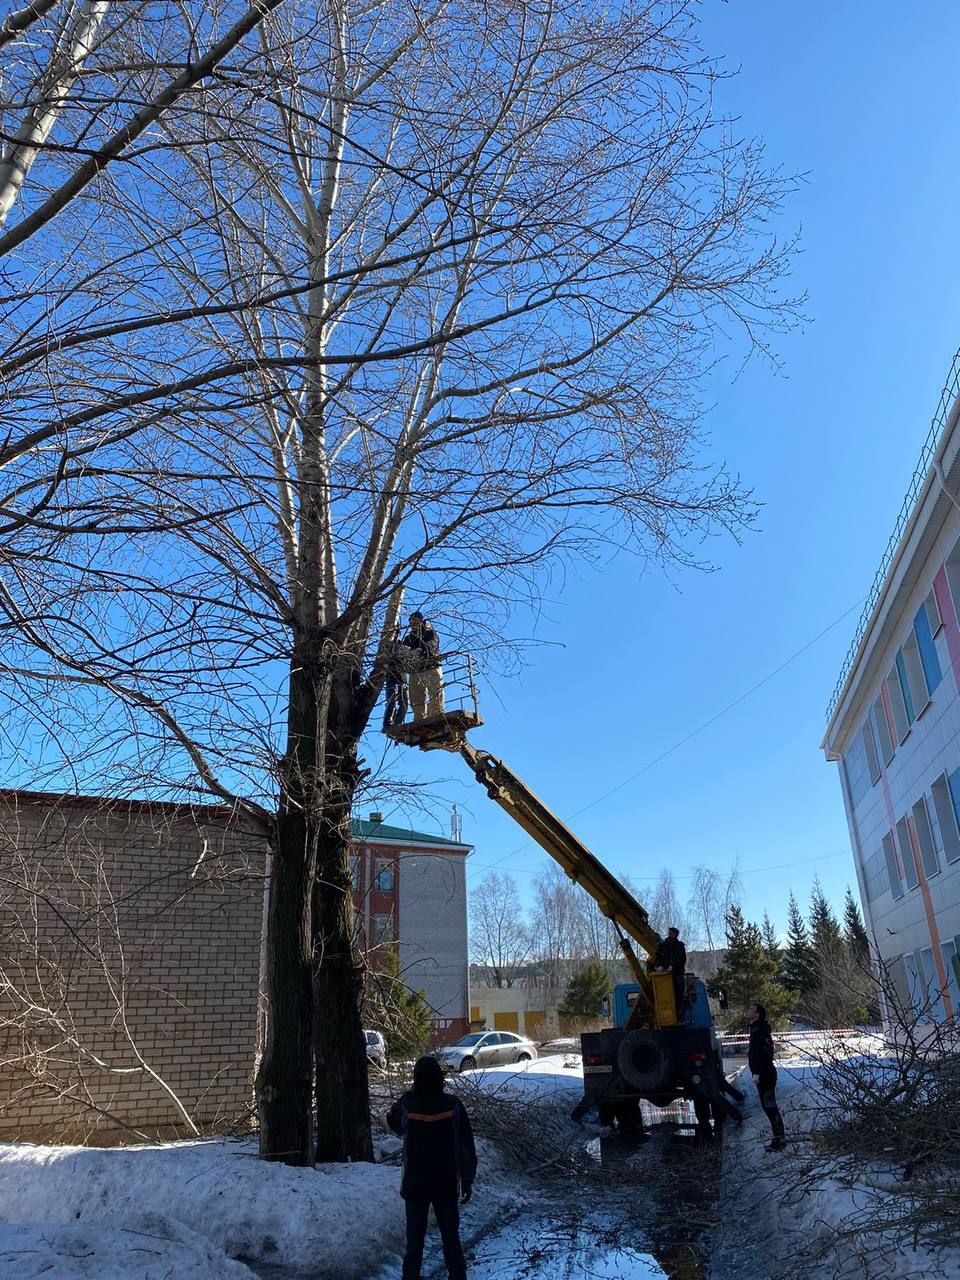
[(863, 102)]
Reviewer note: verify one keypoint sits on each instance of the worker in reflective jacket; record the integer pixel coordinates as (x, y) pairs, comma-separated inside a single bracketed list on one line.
[(439, 1165), (760, 1062)]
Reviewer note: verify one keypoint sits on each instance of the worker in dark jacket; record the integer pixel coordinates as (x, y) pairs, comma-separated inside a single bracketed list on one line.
[(760, 1062), (672, 955), (422, 645), (439, 1165)]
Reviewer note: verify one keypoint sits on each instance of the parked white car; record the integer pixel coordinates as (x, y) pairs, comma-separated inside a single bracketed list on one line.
[(376, 1048), (486, 1049)]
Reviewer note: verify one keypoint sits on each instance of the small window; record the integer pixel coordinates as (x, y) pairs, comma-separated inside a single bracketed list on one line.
[(893, 871), (384, 875), (882, 727), (901, 721), (926, 649), (906, 854), (948, 952), (355, 872), (931, 607), (870, 747), (928, 852), (932, 991), (383, 929), (912, 677), (945, 806), (915, 993)]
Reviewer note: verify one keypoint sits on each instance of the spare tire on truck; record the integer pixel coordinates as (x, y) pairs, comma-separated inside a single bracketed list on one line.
[(643, 1061)]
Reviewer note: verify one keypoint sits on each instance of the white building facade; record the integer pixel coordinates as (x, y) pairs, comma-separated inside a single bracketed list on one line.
[(894, 730)]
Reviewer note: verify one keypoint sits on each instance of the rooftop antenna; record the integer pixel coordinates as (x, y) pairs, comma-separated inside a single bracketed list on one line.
[(456, 825)]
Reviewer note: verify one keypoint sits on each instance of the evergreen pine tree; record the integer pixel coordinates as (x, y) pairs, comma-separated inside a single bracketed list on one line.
[(771, 943), (796, 964), (825, 935), (390, 1006), (585, 992), (748, 974), (854, 934)]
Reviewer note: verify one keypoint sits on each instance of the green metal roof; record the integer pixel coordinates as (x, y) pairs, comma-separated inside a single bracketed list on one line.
[(364, 830)]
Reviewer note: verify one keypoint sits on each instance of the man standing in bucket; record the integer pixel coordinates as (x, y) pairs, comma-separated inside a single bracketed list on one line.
[(439, 1165), (760, 1062)]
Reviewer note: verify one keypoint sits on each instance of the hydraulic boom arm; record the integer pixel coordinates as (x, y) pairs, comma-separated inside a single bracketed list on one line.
[(543, 826)]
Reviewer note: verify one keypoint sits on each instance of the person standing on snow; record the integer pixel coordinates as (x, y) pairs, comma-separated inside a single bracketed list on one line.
[(426, 675), (439, 1165), (760, 1062)]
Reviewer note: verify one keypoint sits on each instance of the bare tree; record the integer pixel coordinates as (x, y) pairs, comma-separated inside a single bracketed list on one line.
[(556, 925), (499, 935), (665, 909), (430, 325), (712, 894)]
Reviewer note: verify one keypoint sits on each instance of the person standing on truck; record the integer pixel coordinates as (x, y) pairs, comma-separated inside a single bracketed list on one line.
[(760, 1062), (439, 1165), (672, 955), (426, 675)]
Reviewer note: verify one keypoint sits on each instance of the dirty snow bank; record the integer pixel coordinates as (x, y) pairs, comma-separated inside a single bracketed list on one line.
[(155, 1249), (340, 1220), (200, 1210), (783, 1218), (541, 1080)]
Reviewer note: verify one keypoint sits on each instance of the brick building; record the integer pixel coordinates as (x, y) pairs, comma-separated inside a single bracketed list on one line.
[(410, 889), (131, 949), (129, 965)]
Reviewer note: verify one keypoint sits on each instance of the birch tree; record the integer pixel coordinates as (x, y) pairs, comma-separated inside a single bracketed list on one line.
[(436, 284)]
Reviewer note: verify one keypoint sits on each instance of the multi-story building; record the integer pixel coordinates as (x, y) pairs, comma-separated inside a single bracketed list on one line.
[(894, 729), (410, 891)]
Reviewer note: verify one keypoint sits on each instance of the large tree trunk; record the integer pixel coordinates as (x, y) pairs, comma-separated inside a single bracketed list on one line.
[(284, 1080), (340, 1058)]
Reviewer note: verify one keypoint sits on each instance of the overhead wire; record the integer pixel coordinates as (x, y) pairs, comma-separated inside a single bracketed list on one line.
[(687, 738)]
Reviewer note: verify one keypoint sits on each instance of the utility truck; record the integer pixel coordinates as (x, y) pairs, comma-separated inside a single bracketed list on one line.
[(653, 1052)]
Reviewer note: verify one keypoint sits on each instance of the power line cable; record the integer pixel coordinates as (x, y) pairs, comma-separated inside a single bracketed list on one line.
[(693, 733)]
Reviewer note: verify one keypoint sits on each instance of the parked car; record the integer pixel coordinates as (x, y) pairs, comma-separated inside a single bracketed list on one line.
[(486, 1049), (376, 1049)]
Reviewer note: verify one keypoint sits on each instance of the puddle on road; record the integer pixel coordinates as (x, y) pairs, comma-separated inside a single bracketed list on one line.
[(532, 1249)]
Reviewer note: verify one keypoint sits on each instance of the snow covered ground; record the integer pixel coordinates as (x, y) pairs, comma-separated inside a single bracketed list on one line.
[(202, 1210), (781, 1217)]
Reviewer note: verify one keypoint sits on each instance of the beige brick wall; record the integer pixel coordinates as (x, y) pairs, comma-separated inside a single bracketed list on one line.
[(129, 965)]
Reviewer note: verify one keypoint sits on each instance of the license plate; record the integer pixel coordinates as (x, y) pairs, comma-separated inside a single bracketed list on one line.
[(596, 1071)]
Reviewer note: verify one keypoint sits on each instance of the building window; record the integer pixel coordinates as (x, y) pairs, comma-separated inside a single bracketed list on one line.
[(946, 792), (931, 992), (906, 854), (948, 951), (901, 721), (912, 679), (893, 871), (383, 930), (915, 994), (928, 850), (927, 650), (870, 747), (383, 881), (932, 607), (883, 731), (355, 872)]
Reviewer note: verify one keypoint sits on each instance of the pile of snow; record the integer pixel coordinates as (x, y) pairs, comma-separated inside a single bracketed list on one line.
[(337, 1220), (202, 1210), (154, 1249)]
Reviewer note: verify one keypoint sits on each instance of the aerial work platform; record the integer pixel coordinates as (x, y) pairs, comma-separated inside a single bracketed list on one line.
[(436, 733)]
